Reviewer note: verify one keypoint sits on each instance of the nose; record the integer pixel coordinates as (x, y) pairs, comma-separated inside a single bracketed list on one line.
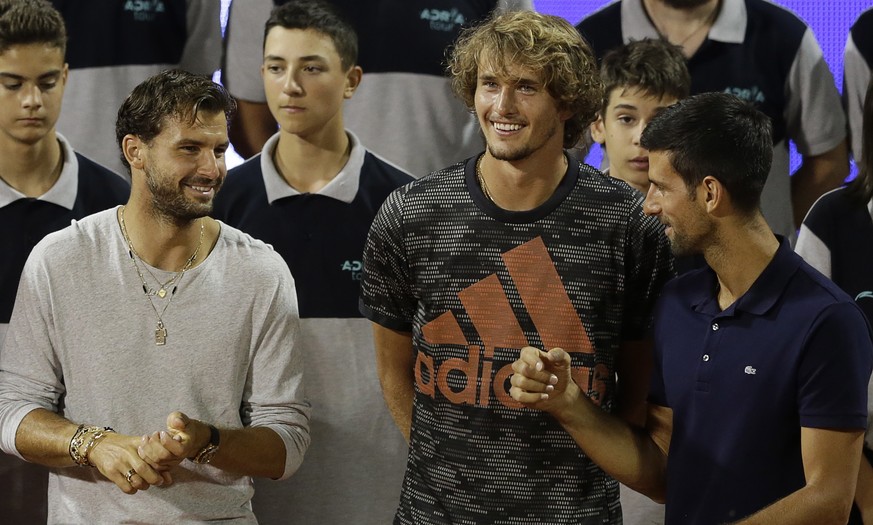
[(292, 86), (32, 96), (211, 164), (638, 132), (505, 100), (651, 205)]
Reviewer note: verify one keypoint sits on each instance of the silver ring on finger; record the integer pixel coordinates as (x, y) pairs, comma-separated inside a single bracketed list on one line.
[(129, 475)]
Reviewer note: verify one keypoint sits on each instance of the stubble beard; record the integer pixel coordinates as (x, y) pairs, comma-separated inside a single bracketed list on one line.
[(170, 204)]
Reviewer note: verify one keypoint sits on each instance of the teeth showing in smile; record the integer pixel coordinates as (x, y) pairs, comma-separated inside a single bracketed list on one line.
[(202, 189), (500, 126)]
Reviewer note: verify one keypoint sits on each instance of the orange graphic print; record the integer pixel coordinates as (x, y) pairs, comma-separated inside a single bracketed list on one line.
[(546, 302)]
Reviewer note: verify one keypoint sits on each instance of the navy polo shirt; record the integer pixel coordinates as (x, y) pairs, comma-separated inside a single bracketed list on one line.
[(83, 187), (794, 351), (320, 235)]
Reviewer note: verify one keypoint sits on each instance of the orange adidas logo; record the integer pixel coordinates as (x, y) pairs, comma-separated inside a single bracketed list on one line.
[(549, 307)]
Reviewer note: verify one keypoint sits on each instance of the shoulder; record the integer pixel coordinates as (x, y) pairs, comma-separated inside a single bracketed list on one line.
[(253, 256), (765, 16), (378, 169), (602, 29), (66, 244), (862, 35), (97, 179)]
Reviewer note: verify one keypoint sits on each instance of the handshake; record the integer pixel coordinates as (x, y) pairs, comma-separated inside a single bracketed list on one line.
[(135, 463)]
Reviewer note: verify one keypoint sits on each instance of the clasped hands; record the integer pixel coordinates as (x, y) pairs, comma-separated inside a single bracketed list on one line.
[(135, 463), (543, 380)]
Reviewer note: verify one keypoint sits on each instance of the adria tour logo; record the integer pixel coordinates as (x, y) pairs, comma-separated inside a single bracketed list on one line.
[(549, 308), (443, 19), (354, 268), (864, 295), (144, 10)]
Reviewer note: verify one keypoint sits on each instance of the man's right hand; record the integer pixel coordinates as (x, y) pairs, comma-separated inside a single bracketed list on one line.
[(117, 458)]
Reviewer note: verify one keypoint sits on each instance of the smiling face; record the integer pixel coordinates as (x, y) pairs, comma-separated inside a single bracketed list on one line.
[(517, 114), (688, 226), (32, 80), (619, 128), (184, 166), (304, 80)]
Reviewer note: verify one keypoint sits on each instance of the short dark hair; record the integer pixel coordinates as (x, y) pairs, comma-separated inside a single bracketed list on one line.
[(171, 94), (318, 16), (862, 187), (717, 135), (654, 66), (539, 42), (24, 22)]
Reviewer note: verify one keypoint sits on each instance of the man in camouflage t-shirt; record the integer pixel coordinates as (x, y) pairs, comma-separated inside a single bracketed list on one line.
[(521, 245)]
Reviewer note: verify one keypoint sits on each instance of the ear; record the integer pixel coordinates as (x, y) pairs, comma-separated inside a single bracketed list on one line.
[(714, 196), (65, 74), (134, 151), (353, 80), (598, 133)]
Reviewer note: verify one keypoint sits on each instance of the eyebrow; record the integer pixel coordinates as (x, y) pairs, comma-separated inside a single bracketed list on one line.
[(307, 58), (624, 106), (13, 76)]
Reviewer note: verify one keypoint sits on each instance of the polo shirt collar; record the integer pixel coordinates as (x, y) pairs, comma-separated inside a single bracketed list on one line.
[(764, 293), (729, 27), (343, 187), (63, 192)]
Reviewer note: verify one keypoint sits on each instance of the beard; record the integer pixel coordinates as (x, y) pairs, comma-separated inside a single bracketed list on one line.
[(684, 4), (522, 152), (169, 201)]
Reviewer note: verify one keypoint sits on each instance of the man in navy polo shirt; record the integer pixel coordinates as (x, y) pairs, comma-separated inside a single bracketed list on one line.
[(764, 54), (758, 399), (312, 194)]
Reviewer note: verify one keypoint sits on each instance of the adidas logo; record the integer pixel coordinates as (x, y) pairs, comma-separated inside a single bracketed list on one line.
[(471, 381)]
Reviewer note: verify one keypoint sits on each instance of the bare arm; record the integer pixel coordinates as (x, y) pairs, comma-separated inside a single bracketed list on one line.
[(830, 462), (634, 456), (817, 175), (634, 368), (250, 451), (43, 437), (395, 362), (864, 491), (252, 125)]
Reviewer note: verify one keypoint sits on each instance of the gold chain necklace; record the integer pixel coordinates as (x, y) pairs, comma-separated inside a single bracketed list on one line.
[(708, 21), (481, 180), (160, 329)]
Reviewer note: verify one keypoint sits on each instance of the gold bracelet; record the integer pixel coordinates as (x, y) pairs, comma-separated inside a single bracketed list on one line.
[(84, 440)]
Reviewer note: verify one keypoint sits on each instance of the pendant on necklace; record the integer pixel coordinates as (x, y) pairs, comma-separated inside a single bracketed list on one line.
[(162, 293), (160, 334)]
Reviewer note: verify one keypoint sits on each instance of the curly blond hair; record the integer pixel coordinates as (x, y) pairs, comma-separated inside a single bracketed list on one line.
[(538, 42)]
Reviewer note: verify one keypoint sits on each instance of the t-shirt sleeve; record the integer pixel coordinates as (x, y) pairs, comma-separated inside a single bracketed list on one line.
[(856, 76), (387, 296), (244, 51), (814, 112), (649, 264), (30, 370), (834, 370), (202, 53), (274, 396), (815, 237)]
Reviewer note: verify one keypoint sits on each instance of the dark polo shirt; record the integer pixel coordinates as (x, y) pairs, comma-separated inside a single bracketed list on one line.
[(794, 351)]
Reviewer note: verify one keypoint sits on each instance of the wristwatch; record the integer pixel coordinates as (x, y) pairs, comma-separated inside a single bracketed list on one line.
[(208, 452)]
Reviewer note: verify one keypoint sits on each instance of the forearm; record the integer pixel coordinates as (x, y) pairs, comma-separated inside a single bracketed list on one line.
[(816, 176), (808, 506), (43, 437), (626, 452), (395, 362), (252, 451)]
